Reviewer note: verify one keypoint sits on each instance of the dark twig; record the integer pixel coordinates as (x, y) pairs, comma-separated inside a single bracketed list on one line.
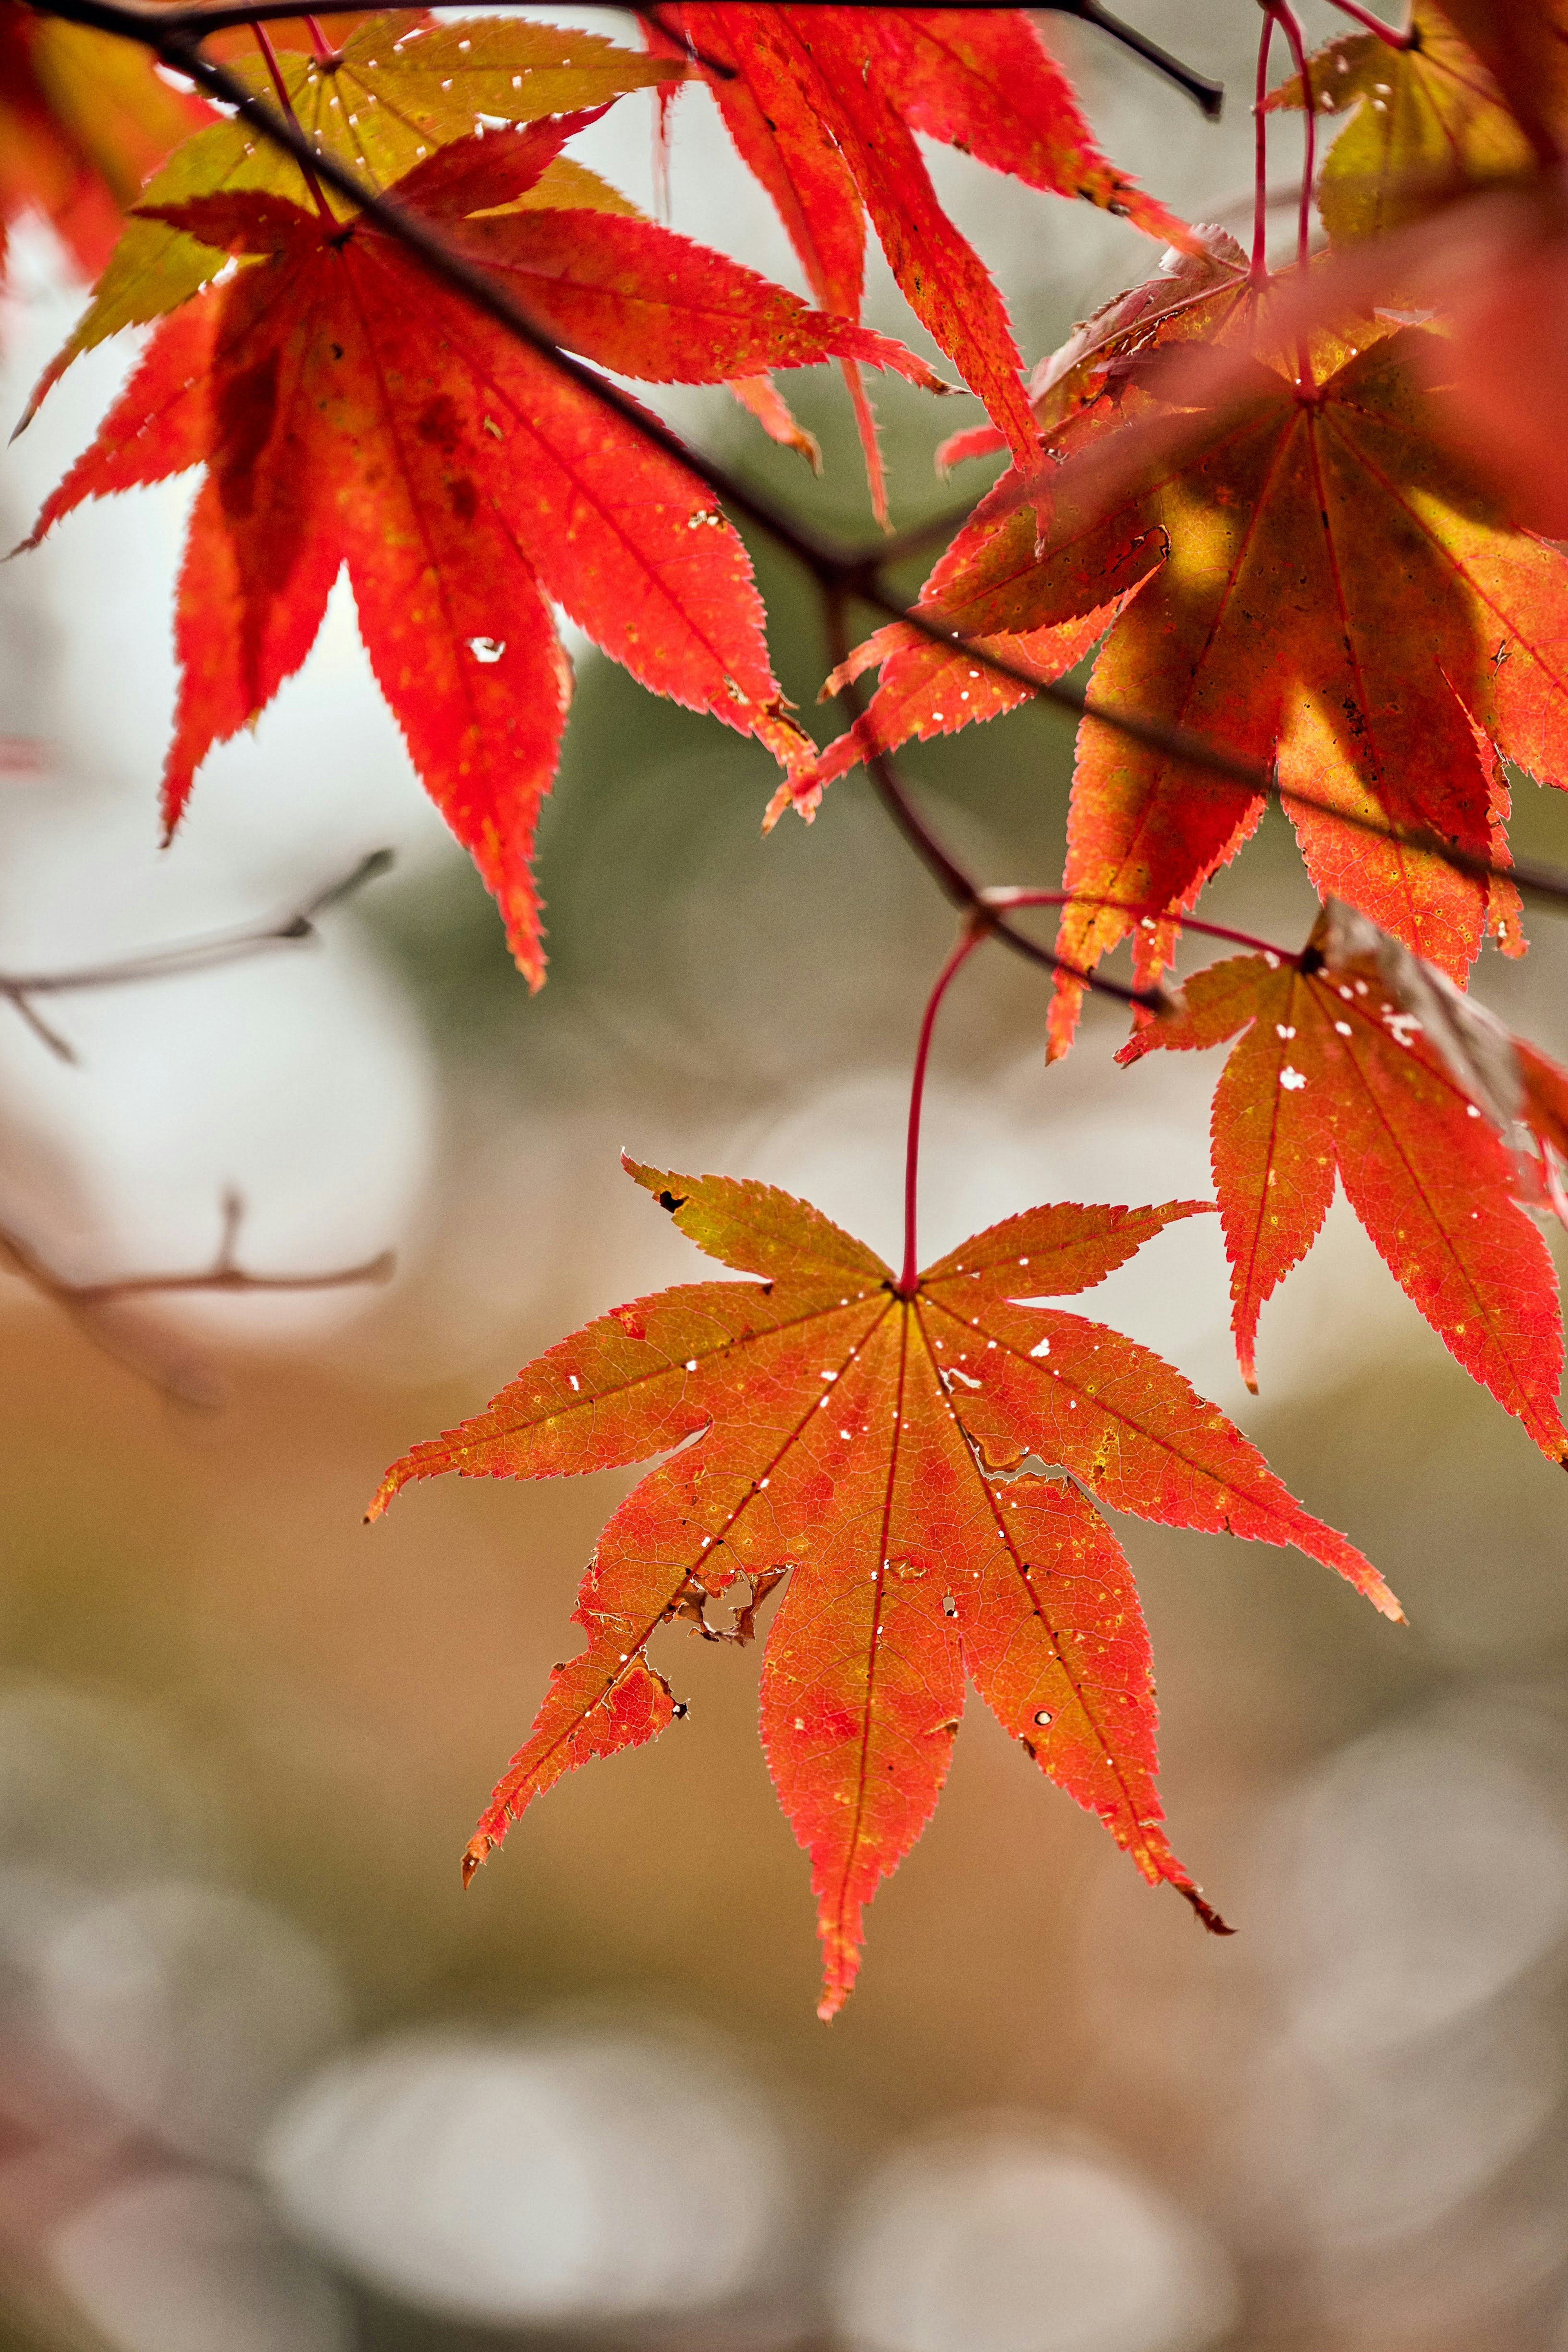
[(198, 20), (1207, 95), (85, 1302), (297, 929), (979, 905)]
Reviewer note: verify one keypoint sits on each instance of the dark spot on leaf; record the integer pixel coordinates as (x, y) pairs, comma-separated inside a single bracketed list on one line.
[(671, 1201), (437, 422)]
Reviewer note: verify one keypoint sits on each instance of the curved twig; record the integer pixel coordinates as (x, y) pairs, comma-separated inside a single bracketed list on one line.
[(84, 1302), (296, 929)]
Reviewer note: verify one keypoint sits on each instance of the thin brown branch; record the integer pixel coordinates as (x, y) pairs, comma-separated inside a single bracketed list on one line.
[(980, 905), (86, 1302), (223, 14), (296, 929)]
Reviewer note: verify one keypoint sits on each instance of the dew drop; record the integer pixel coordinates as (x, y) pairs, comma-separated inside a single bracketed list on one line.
[(1042, 1715)]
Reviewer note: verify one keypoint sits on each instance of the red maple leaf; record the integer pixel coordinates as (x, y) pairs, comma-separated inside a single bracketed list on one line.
[(1410, 1098), (861, 1443), (824, 105), (350, 411), (1308, 577), (396, 86), (83, 119)]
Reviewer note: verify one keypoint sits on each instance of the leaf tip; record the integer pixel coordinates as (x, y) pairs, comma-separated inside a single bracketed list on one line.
[(477, 1851), (396, 1478), (1207, 1915)]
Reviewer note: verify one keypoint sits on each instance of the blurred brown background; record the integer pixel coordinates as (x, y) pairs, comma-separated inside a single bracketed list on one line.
[(268, 2083)]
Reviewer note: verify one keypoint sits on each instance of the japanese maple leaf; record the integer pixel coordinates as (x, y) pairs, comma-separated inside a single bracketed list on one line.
[(862, 1443), (350, 411), (1335, 1074), (1427, 124), (83, 119), (1308, 579), (398, 86), (1477, 109), (824, 105)]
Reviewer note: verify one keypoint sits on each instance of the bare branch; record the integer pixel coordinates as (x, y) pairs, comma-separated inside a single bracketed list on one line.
[(296, 929), (981, 905), (86, 1302)]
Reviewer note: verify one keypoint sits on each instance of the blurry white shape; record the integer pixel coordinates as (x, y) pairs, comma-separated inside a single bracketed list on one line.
[(192, 2010), (601, 2178), (179, 2263), (327, 774), (1374, 2149), (301, 1080), (1423, 1872), (1001, 2238)]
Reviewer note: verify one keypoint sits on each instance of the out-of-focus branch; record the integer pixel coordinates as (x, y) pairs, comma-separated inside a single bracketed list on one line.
[(296, 929), (86, 1302)]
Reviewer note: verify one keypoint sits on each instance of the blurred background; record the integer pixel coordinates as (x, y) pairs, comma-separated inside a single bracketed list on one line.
[(268, 2083)]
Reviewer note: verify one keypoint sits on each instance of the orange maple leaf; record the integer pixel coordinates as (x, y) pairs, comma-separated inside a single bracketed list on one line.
[(1412, 1097), (850, 1437)]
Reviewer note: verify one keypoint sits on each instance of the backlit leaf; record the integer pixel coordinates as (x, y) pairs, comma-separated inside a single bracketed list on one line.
[(844, 1439), (83, 119), (824, 105), (400, 86), (1334, 1076), (1317, 582), (350, 411)]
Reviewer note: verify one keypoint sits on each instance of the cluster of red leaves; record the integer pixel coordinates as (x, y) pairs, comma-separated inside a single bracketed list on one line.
[(824, 105), (350, 414), (1273, 508)]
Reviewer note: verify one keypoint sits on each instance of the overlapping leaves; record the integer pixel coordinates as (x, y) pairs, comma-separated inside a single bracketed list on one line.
[(1427, 124), (824, 105), (83, 120), (1303, 575), (861, 1446), (400, 86)]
